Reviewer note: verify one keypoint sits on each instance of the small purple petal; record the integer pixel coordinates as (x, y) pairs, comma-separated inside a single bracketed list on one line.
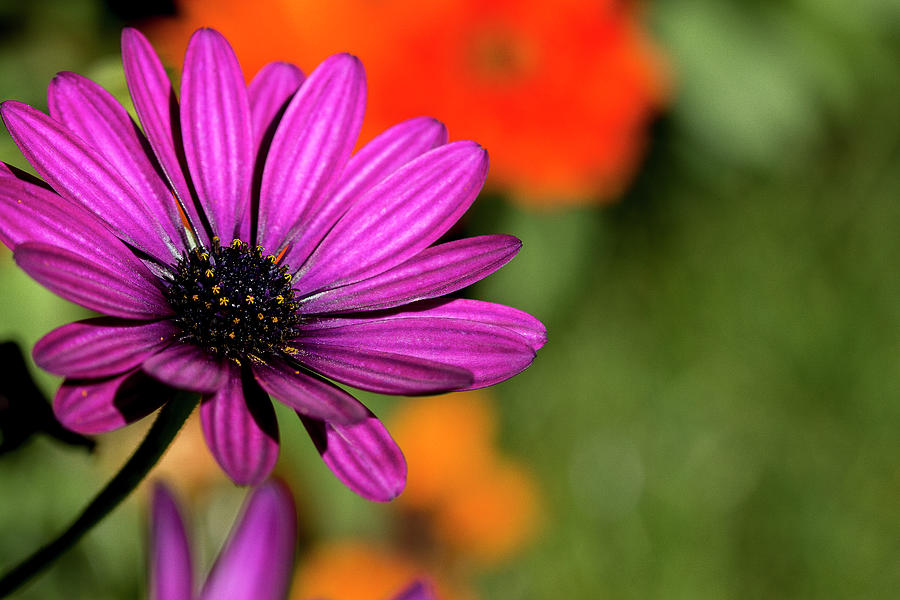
[(119, 292), (312, 144), (101, 347), (240, 429), (434, 272), (79, 173), (398, 218), (95, 116), (376, 160), (171, 568), (363, 456), (269, 93), (382, 372), (187, 367), (218, 139), (308, 394), (257, 560), (91, 406), (418, 590), (489, 352)]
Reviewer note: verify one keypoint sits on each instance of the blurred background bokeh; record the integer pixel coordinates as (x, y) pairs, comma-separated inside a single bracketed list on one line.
[(709, 197)]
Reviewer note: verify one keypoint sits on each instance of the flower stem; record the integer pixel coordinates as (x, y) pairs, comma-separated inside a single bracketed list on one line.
[(172, 416)]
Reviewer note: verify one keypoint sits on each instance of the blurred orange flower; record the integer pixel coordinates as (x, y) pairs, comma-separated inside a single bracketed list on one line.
[(353, 570), (480, 505), (465, 507), (559, 93)]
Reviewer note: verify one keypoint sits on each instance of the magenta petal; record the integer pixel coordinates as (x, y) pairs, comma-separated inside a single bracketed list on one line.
[(218, 139), (490, 313), (489, 352), (363, 456), (376, 160), (91, 406), (118, 292), (240, 429), (434, 272), (187, 367), (171, 567), (95, 116), (314, 139), (269, 93), (308, 394), (257, 560), (418, 590), (398, 218), (382, 372), (157, 108), (79, 173), (101, 347), (31, 213)]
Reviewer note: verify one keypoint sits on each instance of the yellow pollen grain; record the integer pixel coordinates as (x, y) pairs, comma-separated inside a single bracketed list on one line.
[(216, 289), (223, 301), (209, 272), (260, 316), (280, 299), (231, 335), (250, 299), (274, 319), (207, 304), (236, 320), (204, 255), (195, 297)]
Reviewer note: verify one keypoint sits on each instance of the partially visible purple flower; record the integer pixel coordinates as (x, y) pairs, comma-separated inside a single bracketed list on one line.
[(239, 248), (417, 590), (255, 562)]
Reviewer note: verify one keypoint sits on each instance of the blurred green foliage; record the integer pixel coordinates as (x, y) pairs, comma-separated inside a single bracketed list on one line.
[(716, 413)]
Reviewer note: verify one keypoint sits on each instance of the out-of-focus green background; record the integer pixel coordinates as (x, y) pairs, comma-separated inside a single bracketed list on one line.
[(717, 413)]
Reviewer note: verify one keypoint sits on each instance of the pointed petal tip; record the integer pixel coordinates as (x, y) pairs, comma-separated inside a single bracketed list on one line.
[(130, 33), (344, 61), (12, 108), (364, 456)]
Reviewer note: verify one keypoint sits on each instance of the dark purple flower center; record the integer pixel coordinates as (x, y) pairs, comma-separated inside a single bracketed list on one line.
[(233, 301)]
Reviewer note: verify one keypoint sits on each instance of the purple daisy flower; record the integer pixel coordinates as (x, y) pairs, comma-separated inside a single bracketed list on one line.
[(239, 248), (255, 562)]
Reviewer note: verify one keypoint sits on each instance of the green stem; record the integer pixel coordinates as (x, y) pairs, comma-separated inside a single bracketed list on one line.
[(172, 416)]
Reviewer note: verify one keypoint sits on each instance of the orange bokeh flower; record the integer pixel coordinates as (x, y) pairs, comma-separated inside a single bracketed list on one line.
[(559, 93), (354, 570), (480, 505)]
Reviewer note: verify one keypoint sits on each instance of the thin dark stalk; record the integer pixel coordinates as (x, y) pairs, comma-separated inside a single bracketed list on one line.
[(170, 419)]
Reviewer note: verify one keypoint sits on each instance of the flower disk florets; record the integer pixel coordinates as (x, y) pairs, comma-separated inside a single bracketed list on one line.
[(234, 301)]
